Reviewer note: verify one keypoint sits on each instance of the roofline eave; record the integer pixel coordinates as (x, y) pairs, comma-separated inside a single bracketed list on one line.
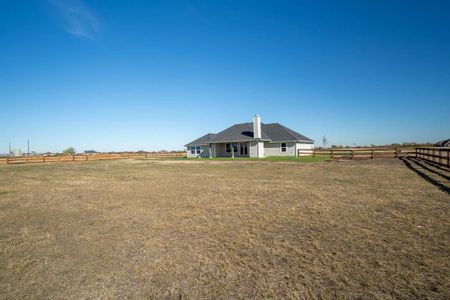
[(241, 141), (254, 140), (188, 145), (298, 141)]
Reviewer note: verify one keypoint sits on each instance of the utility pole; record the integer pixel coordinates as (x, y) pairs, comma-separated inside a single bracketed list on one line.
[(28, 147), (9, 149)]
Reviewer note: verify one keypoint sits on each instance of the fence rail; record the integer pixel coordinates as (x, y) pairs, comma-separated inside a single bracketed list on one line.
[(87, 157), (440, 155), (359, 153)]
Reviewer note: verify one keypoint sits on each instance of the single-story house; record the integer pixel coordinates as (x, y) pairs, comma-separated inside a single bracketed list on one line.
[(444, 143), (250, 140)]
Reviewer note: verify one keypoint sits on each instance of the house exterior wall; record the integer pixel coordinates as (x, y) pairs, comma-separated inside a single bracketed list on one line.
[(266, 149), (204, 152), (253, 149), (256, 149), (274, 149), (305, 146), (221, 151)]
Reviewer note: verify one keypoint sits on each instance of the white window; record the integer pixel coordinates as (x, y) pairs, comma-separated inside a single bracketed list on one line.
[(228, 147), (198, 149), (192, 150), (283, 147)]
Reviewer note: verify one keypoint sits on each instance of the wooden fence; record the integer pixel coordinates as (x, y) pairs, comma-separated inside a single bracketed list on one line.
[(88, 157), (440, 155), (359, 153)]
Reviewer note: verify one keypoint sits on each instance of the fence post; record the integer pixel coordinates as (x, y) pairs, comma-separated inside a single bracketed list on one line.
[(396, 152), (7, 160), (331, 156), (448, 158), (43, 158), (314, 152), (73, 157), (373, 153), (353, 154)]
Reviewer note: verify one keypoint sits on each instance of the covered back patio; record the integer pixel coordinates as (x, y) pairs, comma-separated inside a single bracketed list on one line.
[(236, 149)]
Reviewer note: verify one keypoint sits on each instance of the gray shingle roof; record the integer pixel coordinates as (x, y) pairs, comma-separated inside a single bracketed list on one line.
[(239, 133), (444, 143), (204, 140), (279, 133), (244, 132)]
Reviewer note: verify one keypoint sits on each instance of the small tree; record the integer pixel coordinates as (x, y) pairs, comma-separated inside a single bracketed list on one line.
[(324, 141), (69, 151)]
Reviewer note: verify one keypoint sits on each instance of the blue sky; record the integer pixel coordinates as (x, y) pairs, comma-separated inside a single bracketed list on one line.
[(130, 75)]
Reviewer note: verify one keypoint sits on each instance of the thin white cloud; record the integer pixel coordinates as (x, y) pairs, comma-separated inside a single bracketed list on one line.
[(77, 18)]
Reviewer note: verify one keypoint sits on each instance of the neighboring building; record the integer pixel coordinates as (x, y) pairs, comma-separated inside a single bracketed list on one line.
[(444, 143), (250, 140), (15, 152)]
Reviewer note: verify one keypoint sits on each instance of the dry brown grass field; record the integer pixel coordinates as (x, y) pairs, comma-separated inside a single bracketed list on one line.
[(223, 229)]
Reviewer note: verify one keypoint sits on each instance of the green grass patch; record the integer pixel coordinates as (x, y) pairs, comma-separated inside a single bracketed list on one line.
[(303, 159)]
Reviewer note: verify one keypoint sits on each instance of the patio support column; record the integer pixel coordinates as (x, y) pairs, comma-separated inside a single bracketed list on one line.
[(210, 150), (232, 150), (260, 149)]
